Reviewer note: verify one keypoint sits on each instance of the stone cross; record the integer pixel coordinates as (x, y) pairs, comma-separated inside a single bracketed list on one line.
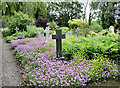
[(16, 30), (58, 38), (111, 29), (47, 31)]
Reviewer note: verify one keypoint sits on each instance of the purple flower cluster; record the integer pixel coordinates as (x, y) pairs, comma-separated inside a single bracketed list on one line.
[(42, 69)]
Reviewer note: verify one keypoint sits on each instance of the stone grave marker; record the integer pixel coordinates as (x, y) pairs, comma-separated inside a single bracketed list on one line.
[(21, 36), (77, 31), (47, 31), (69, 33), (111, 29), (59, 36), (39, 34), (16, 30)]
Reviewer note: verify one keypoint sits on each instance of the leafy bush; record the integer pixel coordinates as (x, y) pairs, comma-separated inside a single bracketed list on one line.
[(4, 21), (41, 22), (6, 32), (108, 46), (19, 20), (31, 30), (64, 29), (77, 23), (52, 25), (96, 27), (9, 38), (15, 36), (92, 33), (104, 32)]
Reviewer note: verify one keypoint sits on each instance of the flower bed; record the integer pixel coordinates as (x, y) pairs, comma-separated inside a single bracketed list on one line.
[(40, 68)]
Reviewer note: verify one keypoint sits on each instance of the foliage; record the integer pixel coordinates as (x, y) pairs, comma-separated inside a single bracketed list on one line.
[(52, 25), (92, 33), (41, 22), (65, 11), (10, 38), (64, 29), (6, 32), (107, 13), (15, 36), (77, 23), (108, 46), (31, 31), (4, 21), (95, 27), (103, 32), (40, 68), (19, 20), (93, 11), (33, 9)]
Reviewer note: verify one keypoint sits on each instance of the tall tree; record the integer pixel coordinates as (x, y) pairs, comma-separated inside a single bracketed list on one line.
[(104, 11), (31, 8), (107, 13), (93, 11), (85, 4), (63, 11)]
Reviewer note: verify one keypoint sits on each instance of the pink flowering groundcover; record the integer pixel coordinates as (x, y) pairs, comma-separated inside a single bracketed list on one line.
[(40, 68)]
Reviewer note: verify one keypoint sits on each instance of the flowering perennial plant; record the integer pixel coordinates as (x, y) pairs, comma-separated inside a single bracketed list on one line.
[(40, 68)]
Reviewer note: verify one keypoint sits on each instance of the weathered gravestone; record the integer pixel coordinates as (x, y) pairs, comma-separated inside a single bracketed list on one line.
[(16, 29), (58, 38), (39, 34), (47, 31), (77, 31), (111, 29), (21, 36), (69, 33)]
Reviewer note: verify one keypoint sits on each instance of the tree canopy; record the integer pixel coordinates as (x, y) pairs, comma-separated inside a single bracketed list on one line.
[(63, 11)]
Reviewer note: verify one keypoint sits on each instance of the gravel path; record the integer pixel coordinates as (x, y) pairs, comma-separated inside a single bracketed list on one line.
[(0, 61), (10, 70)]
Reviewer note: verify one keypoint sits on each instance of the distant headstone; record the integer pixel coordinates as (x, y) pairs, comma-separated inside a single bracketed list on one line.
[(69, 33), (16, 30), (21, 36), (47, 31), (111, 29), (38, 33), (77, 31), (27, 26)]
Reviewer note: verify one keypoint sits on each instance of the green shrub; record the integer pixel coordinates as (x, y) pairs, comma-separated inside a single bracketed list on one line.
[(9, 38), (103, 32), (92, 33), (77, 23), (6, 32), (64, 29), (52, 25), (96, 27), (31, 31), (90, 46), (19, 20)]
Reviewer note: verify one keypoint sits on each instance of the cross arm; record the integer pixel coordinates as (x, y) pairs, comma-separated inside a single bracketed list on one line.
[(54, 36)]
